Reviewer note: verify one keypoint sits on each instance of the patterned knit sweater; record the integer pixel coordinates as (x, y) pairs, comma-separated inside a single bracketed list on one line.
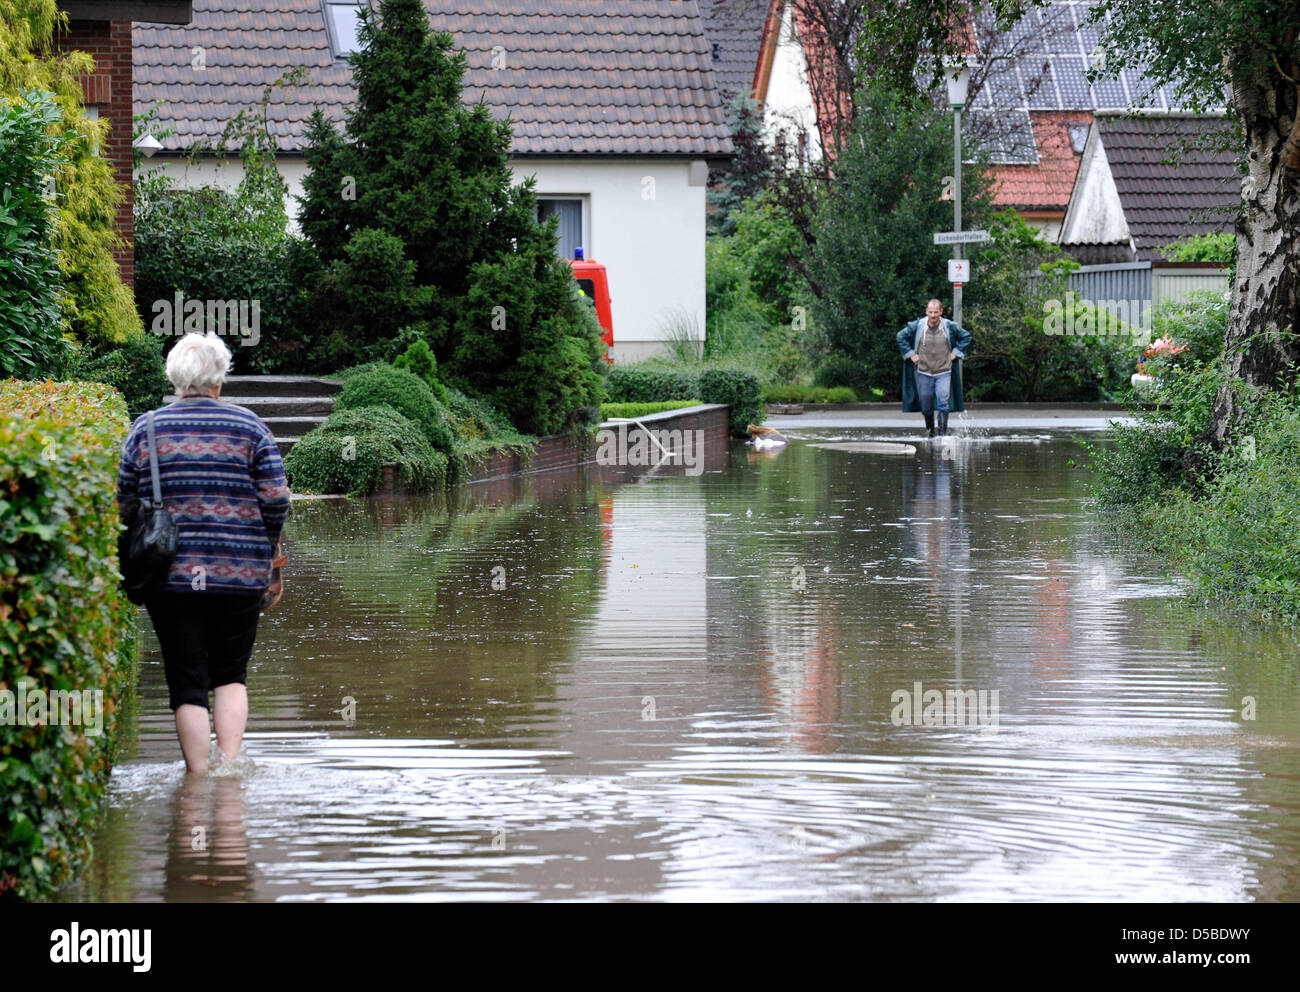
[(223, 482)]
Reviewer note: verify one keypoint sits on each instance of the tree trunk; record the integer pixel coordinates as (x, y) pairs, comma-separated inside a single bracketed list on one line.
[(1266, 296)]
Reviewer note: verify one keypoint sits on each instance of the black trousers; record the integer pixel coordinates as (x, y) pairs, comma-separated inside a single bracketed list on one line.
[(206, 638)]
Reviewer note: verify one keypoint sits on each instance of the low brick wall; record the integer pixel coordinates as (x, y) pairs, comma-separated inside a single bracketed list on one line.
[(563, 452)]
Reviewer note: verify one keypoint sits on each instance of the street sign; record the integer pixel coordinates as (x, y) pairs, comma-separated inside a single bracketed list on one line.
[(958, 270), (960, 237)]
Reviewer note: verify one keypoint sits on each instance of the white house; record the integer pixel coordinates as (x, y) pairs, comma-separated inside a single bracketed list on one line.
[(615, 111)]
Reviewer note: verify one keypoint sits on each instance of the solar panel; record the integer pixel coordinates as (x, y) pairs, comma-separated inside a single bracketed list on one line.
[(1007, 137), (1072, 83), (1044, 56)]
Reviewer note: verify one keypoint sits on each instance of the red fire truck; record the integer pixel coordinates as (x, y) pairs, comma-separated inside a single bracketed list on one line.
[(594, 283)]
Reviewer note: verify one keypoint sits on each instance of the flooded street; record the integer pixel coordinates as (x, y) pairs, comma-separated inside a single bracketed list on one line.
[(666, 687)]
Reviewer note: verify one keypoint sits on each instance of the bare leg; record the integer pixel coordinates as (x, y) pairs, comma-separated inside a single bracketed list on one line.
[(231, 718), (195, 736)]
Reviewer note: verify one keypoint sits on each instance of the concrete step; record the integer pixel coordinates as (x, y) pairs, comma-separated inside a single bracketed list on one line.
[(292, 426), (279, 385), (285, 444), (267, 407)]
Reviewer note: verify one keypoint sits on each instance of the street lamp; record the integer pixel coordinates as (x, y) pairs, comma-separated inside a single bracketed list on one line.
[(957, 72), (148, 145)]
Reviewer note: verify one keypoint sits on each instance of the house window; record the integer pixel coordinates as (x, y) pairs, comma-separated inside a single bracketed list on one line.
[(343, 18), (570, 211)]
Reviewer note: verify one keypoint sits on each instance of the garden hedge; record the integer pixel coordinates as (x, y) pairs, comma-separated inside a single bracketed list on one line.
[(741, 390), (650, 382), (655, 382), (64, 625)]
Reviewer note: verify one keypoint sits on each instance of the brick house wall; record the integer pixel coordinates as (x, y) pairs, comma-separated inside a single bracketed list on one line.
[(108, 90)]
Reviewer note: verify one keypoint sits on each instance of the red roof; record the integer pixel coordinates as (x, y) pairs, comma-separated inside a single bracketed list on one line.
[(1049, 184)]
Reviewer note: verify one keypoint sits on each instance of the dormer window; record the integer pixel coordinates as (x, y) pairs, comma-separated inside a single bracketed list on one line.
[(343, 19)]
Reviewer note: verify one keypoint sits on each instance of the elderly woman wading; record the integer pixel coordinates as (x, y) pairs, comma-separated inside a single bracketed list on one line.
[(932, 350), (224, 484)]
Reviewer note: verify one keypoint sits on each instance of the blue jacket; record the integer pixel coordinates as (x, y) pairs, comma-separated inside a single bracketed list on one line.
[(958, 342)]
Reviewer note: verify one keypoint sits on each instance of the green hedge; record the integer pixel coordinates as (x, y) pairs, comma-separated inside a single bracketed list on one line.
[(656, 381), (741, 390), (31, 343), (63, 623), (608, 410), (410, 396), (809, 394), (348, 452), (650, 382)]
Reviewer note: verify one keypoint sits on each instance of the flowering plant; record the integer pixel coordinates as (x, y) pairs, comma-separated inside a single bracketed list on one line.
[(1159, 355)]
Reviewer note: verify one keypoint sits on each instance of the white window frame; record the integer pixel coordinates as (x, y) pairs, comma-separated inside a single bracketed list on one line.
[(584, 199), (329, 24)]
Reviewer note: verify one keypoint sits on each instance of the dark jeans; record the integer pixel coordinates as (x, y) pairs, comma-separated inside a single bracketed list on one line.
[(207, 639)]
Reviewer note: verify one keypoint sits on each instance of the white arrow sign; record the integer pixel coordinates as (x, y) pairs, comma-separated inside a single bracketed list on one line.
[(958, 270), (960, 237)]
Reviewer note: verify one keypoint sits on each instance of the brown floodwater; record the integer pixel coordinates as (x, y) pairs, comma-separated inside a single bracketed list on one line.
[(651, 685)]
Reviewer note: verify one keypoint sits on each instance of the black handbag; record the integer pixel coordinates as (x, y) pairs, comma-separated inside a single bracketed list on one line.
[(147, 548)]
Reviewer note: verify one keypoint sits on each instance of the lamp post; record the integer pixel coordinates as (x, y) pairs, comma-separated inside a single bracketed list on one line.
[(958, 74)]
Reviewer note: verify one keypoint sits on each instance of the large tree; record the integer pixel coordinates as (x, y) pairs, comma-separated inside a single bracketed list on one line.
[(875, 263), (417, 217), (1242, 53)]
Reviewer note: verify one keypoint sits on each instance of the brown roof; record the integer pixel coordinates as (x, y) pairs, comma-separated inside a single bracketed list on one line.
[(1047, 185), (580, 77), (1168, 187)]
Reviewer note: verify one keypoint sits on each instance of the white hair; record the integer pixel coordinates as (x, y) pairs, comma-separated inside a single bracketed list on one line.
[(198, 363)]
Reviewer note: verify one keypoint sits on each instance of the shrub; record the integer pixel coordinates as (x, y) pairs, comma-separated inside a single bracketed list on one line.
[(475, 419), (63, 621), (1239, 540), (1200, 321), (1145, 458), (651, 382), (741, 390), (840, 372), (408, 395), (348, 452), (198, 242), (31, 342), (1210, 247), (418, 360), (135, 370)]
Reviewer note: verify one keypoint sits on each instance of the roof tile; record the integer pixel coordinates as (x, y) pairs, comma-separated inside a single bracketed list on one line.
[(581, 76)]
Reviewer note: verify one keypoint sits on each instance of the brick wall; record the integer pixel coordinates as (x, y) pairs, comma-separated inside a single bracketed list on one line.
[(559, 452), (109, 90)]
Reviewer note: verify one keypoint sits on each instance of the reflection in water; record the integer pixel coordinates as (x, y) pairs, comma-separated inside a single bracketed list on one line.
[(652, 686), (207, 849)]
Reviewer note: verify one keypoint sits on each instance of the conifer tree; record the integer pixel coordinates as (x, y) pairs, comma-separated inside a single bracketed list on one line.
[(418, 194)]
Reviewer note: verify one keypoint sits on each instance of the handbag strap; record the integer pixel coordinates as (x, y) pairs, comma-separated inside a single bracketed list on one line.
[(151, 449)]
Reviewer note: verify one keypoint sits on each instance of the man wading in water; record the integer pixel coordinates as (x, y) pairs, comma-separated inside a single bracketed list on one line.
[(932, 350)]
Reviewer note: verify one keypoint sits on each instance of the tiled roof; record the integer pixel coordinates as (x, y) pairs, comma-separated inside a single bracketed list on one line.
[(579, 77), (1199, 193), (734, 29), (1047, 185)]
